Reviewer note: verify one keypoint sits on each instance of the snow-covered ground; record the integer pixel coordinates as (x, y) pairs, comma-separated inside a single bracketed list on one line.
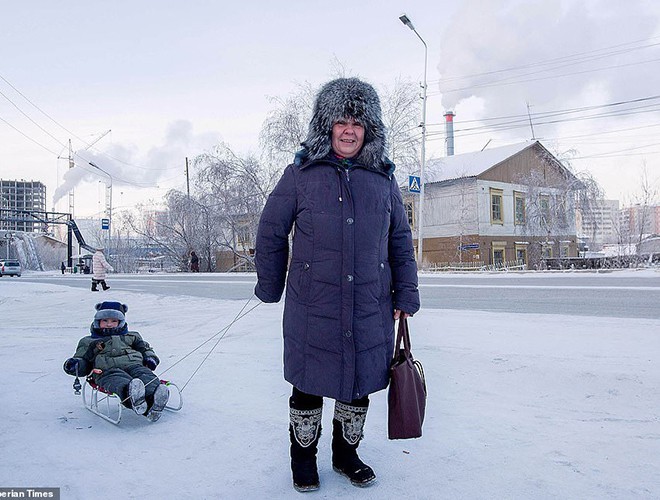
[(521, 406)]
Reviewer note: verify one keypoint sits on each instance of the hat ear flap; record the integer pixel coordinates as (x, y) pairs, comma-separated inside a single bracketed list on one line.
[(98, 306), (124, 308)]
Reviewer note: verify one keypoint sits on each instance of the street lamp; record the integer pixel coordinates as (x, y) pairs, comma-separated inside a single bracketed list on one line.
[(108, 200), (420, 240)]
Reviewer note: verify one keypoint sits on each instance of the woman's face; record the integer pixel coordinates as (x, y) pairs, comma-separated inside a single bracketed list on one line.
[(347, 137)]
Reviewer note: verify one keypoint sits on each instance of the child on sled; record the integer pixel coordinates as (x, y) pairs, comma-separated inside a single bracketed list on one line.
[(121, 362)]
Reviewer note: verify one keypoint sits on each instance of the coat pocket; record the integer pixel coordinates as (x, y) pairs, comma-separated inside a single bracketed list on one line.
[(385, 274), (298, 281)]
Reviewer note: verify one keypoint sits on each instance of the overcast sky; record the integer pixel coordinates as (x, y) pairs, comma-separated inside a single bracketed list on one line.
[(172, 78)]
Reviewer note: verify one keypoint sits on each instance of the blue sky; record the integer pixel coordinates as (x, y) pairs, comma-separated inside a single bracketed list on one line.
[(170, 79)]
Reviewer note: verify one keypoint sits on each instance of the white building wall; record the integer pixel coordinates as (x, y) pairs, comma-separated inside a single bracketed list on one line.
[(450, 210), (509, 227)]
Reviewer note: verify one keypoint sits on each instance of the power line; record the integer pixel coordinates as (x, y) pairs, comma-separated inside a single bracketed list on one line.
[(29, 118), (559, 112), (580, 55), (27, 136), (487, 85), (83, 141)]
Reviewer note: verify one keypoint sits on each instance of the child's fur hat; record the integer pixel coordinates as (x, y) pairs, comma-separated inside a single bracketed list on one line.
[(110, 310)]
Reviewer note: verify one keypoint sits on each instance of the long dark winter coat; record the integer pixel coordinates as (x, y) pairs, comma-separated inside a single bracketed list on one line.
[(352, 264)]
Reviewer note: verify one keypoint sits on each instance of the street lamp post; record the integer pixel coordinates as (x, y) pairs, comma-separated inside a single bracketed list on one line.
[(420, 222), (108, 201)]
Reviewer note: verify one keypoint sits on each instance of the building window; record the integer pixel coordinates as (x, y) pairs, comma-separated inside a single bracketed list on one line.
[(496, 196), (519, 207), (521, 254), (410, 212), (547, 252), (499, 254), (544, 206), (564, 250)]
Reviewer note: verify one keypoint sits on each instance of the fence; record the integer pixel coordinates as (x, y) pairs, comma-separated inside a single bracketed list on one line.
[(511, 265)]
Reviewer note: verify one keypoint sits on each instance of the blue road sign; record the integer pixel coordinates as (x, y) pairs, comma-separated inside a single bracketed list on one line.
[(413, 183), (105, 223), (469, 246)]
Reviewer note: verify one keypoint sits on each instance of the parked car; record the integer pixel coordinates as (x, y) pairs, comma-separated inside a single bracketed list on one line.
[(10, 268)]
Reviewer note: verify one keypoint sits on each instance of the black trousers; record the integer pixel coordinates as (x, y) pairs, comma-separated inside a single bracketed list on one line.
[(117, 379), (303, 401)]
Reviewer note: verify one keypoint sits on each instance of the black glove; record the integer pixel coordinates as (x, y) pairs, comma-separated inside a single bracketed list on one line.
[(71, 366), (151, 362)]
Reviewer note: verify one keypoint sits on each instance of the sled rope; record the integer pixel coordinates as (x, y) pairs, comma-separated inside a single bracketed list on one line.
[(223, 331)]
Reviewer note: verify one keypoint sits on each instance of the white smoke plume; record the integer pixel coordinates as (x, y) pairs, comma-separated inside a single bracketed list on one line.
[(487, 37), (127, 166)]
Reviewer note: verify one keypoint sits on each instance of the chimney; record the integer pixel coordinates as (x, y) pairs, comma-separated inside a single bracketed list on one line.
[(449, 132)]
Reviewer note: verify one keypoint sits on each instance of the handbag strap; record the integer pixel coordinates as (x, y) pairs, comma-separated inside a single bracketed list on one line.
[(403, 335)]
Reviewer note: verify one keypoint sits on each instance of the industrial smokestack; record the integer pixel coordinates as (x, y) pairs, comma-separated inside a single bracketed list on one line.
[(449, 132)]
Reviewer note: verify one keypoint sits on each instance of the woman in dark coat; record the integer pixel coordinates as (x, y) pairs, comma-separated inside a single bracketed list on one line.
[(352, 272), (194, 262)]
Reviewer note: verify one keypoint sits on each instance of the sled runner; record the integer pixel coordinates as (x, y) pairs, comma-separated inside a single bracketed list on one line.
[(108, 405)]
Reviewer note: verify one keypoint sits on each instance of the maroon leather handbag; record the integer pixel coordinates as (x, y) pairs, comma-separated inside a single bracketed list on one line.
[(407, 393)]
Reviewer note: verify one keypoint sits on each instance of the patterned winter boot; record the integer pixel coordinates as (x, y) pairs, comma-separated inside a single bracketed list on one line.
[(347, 431), (304, 431)]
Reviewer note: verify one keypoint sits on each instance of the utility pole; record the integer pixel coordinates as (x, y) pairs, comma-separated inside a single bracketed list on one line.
[(530, 122), (71, 165), (187, 178)]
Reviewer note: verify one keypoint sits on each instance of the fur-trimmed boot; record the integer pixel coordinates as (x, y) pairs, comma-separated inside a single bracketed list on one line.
[(304, 431), (347, 431)]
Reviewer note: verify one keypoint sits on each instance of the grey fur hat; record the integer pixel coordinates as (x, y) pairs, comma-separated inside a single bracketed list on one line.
[(347, 98)]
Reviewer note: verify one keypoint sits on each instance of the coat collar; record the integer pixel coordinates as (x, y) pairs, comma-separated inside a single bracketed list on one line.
[(302, 161)]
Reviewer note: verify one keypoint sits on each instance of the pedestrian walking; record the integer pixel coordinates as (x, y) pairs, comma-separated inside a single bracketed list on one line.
[(99, 267)]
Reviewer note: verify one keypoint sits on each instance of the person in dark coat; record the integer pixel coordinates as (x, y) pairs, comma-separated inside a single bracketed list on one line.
[(194, 262), (63, 267), (352, 272), (121, 361)]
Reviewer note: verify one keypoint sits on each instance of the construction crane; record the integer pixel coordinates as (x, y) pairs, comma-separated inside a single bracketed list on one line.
[(71, 164)]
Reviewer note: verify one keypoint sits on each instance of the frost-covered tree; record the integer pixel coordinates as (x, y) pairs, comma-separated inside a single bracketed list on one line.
[(552, 199), (233, 190)]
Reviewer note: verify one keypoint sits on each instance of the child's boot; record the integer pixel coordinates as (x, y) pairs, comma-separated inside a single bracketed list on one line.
[(161, 396), (137, 397)]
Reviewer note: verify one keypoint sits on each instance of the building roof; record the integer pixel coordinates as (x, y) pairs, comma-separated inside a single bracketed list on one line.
[(473, 164)]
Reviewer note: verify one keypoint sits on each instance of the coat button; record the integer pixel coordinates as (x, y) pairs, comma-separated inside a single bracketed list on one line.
[(348, 334), (306, 265), (382, 266), (349, 221), (349, 277)]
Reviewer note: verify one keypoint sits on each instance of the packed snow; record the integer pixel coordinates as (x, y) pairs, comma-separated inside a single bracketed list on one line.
[(520, 406)]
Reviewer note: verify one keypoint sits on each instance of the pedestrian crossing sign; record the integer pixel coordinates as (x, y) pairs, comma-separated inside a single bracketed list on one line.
[(413, 183)]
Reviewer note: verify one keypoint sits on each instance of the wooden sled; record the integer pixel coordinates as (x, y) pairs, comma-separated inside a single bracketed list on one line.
[(108, 405)]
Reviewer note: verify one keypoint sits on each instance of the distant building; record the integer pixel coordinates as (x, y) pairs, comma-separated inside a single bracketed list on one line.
[(22, 196), (512, 204), (637, 221), (156, 222), (599, 226)]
